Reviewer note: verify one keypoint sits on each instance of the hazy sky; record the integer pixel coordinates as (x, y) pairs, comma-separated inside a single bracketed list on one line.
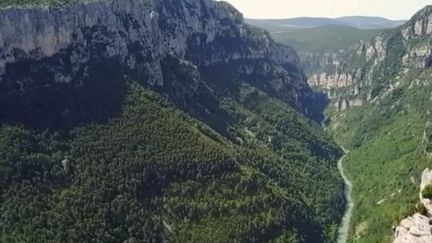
[(393, 9)]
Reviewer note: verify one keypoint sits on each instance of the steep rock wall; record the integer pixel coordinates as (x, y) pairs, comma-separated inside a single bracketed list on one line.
[(371, 69), (139, 39)]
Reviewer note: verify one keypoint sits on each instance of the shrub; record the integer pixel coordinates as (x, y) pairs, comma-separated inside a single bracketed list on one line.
[(421, 208), (427, 192)]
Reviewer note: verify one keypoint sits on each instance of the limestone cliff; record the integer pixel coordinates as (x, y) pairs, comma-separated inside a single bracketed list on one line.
[(59, 52), (417, 228), (371, 69)]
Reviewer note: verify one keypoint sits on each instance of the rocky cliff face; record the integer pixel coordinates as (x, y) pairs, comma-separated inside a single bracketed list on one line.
[(84, 76), (371, 69), (347, 79), (419, 54), (63, 50), (331, 80)]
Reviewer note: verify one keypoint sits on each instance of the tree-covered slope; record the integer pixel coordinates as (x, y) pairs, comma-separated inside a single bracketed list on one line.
[(137, 121), (153, 174), (388, 143)]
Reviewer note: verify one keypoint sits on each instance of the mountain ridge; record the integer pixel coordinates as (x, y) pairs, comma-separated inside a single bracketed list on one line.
[(33, 37)]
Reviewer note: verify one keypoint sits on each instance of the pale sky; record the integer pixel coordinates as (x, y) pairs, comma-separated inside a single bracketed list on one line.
[(392, 9)]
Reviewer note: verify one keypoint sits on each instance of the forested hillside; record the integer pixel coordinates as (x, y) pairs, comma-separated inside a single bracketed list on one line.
[(155, 121)]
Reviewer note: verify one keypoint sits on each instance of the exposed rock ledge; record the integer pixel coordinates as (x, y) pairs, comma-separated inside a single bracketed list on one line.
[(417, 228), (330, 81)]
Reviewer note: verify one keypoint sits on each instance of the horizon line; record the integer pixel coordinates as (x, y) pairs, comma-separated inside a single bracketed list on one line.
[(322, 17)]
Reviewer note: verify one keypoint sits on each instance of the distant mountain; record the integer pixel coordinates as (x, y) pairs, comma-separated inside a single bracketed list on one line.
[(322, 39), (363, 22), (370, 22), (318, 47), (296, 22)]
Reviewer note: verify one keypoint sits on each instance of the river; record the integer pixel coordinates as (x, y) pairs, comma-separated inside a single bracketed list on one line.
[(344, 227)]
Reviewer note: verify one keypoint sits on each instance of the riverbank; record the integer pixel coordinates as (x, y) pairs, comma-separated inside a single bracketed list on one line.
[(343, 231)]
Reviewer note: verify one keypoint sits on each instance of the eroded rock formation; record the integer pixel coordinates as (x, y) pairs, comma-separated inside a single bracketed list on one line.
[(417, 228)]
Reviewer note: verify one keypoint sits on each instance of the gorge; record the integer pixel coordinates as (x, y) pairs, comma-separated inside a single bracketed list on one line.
[(157, 121), (381, 114), (176, 121), (379, 90)]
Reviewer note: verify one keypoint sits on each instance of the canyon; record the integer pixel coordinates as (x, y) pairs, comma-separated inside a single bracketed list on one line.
[(174, 120), (157, 121)]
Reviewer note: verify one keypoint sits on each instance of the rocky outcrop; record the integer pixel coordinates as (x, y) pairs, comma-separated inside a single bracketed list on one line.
[(174, 47), (414, 229), (420, 24), (342, 104), (324, 75), (419, 54), (374, 49), (355, 69), (331, 81), (417, 228), (319, 62), (322, 70)]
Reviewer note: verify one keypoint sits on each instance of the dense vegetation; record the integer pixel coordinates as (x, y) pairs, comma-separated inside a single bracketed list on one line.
[(295, 145), (388, 142), (154, 173), (427, 192)]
